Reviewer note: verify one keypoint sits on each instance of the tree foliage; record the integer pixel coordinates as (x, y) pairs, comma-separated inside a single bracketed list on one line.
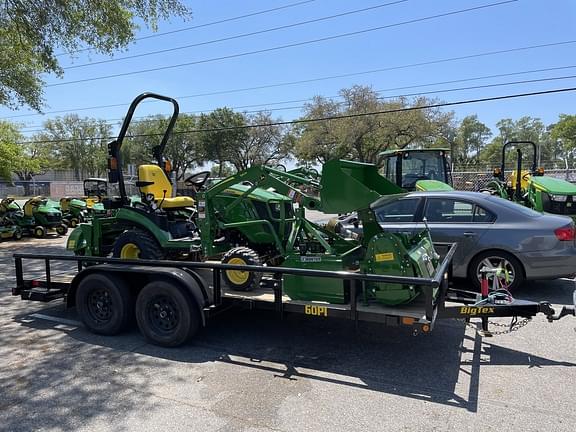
[(10, 152), (363, 138), (32, 31), (77, 143), (471, 137), (563, 134)]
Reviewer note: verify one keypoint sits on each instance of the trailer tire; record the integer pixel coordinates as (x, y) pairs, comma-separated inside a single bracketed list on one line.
[(166, 316), (241, 280), (137, 244), (104, 304)]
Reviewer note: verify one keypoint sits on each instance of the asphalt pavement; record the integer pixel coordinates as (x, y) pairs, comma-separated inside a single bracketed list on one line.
[(249, 371)]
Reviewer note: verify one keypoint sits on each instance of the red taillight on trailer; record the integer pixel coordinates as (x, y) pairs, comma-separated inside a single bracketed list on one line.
[(566, 233)]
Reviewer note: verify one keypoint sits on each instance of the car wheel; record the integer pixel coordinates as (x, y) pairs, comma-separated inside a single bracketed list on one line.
[(509, 274)]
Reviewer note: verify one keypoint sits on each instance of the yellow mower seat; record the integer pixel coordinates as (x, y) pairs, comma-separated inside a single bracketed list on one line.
[(30, 205), (160, 187)]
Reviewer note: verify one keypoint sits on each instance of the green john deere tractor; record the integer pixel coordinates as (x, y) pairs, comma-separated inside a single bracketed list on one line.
[(36, 217), (531, 187), (257, 216), (411, 169)]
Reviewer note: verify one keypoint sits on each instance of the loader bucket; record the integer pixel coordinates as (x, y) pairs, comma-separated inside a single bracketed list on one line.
[(350, 186)]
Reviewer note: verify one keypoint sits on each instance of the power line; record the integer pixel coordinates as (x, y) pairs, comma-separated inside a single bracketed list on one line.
[(337, 117), (281, 47), (239, 36), (265, 105), (330, 77), (239, 17)]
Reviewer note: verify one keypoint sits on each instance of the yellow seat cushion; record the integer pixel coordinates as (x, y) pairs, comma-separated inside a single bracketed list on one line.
[(176, 202)]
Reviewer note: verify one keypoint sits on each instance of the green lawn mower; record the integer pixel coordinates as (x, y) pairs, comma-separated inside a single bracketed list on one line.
[(36, 217), (256, 217), (74, 211), (531, 187), (423, 170), (8, 229)]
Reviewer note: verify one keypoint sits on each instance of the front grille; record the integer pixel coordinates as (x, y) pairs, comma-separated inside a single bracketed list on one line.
[(565, 208), (53, 218)]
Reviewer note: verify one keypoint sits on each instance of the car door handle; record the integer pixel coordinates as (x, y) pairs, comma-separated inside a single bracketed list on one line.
[(470, 234)]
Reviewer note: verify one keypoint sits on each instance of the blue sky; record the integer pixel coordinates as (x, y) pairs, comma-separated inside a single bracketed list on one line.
[(517, 24)]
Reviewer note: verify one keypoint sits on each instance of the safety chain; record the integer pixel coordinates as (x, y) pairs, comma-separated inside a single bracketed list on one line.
[(514, 325)]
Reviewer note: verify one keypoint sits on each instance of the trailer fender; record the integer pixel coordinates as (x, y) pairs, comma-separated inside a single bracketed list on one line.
[(136, 277)]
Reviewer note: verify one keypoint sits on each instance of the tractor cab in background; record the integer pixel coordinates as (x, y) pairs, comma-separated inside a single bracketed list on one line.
[(411, 169)]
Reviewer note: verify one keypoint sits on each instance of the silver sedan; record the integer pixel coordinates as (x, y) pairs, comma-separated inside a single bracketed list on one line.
[(490, 232)]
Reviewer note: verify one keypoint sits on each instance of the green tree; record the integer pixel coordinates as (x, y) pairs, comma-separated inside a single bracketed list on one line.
[(563, 134), (10, 152), (363, 138), (261, 145), (183, 149), (77, 143), (221, 131), (471, 137), (32, 31)]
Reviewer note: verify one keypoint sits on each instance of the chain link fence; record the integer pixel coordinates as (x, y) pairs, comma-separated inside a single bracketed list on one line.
[(476, 180)]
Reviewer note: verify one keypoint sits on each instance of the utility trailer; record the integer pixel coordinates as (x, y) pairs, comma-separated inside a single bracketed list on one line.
[(172, 300)]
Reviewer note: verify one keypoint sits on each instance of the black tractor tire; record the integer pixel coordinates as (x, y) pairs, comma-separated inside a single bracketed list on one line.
[(141, 243), (510, 262), (39, 231), (62, 229), (17, 234), (166, 315), (241, 280), (104, 303)]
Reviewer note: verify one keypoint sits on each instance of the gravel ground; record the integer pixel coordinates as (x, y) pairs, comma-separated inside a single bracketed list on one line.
[(248, 371)]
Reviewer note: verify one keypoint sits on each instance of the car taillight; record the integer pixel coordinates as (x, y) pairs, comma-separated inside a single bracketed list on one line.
[(565, 233)]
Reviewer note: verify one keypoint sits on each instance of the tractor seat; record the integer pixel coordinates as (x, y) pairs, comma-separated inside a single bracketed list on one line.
[(153, 180)]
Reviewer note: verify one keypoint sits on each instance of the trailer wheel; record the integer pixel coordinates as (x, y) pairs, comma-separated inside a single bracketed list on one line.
[(242, 280), (39, 231), (104, 304), (137, 244), (62, 229), (165, 315)]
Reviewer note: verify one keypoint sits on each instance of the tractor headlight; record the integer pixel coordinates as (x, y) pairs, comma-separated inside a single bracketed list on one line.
[(558, 198)]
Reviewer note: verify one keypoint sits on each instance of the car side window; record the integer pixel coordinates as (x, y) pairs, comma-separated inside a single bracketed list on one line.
[(448, 210), (402, 210), (482, 215)]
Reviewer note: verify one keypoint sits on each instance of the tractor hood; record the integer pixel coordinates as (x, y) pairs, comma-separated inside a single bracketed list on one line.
[(553, 185), (432, 185), (257, 194), (78, 203)]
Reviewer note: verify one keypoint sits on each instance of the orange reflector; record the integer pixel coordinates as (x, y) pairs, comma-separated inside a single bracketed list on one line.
[(167, 166), (425, 328), (408, 320), (113, 163)]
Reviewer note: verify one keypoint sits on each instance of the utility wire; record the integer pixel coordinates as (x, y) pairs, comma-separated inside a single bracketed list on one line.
[(238, 36), (236, 18), (330, 77), (397, 96), (281, 47), (328, 118)]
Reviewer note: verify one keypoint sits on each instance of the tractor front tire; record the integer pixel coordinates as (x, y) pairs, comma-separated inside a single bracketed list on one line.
[(137, 244), (62, 229), (242, 280), (39, 232), (74, 222)]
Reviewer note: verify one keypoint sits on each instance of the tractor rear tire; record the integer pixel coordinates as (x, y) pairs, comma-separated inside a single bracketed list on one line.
[(137, 244), (39, 232), (242, 280), (166, 315), (62, 229), (105, 304)]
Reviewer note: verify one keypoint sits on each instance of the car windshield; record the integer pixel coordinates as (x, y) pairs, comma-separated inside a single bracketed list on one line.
[(514, 206)]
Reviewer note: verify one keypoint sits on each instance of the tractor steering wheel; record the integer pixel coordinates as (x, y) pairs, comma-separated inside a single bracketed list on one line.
[(197, 180)]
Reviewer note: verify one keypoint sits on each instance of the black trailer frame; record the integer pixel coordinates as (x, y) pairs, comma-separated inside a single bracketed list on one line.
[(468, 304)]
